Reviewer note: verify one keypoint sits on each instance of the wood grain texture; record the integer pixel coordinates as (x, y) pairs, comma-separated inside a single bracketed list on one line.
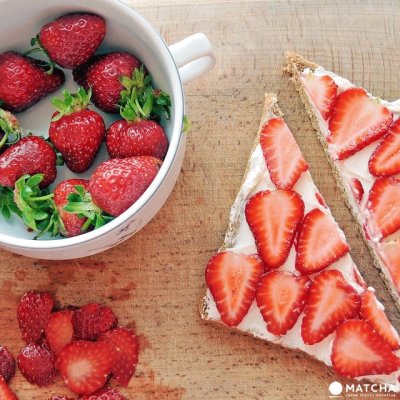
[(155, 279)]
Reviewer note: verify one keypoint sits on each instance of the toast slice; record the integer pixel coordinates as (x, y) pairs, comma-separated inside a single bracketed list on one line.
[(365, 160), (284, 273)]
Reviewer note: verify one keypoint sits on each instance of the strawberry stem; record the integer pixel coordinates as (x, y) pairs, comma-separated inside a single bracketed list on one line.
[(72, 102), (40, 49), (9, 128)]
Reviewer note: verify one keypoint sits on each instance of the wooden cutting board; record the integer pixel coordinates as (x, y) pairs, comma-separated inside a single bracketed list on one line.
[(154, 280)]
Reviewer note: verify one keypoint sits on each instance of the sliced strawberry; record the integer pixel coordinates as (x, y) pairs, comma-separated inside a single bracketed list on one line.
[(320, 199), (274, 217), (331, 301), (7, 364), (59, 330), (33, 314), (373, 312), (322, 90), (357, 189), (106, 394), (384, 207), (5, 392), (358, 278), (232, 279), (284, 160), (356, 121), (320, 242), (385, 160), (85, 366), (126, 347), (358, 351), (281, 297), (390, 253)]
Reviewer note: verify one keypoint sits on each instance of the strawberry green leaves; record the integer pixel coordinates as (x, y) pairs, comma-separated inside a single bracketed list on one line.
[(7, 205), (10, 132), (71, 103)]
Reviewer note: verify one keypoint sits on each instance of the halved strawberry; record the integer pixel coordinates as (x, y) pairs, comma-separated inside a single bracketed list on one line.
[(85, 366), (390, 253), (59, 330), (358, 351), (331, 301), (356, 121), (319, 243), (5, 392), (284, 160), (232, 279), (274, 217), (384, 207), (281, 297), (385, 160), (322, 90), (357, 189), (373, 312)]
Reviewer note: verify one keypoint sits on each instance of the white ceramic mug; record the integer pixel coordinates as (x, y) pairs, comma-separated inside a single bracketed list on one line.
[(170, 68)]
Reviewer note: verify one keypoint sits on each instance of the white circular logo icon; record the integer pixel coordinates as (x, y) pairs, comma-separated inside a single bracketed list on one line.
[(336, 388)]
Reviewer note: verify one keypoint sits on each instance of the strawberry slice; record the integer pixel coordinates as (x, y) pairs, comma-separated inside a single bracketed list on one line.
[(390, 253), (358, 351), (59, 330), (320, 199), (358, 278), (85, 366), (322, 90), (331, 301), (356, 121), (274, 217), (357, 189), (385, 160), (281, 297), (232, 279), (373, 312), (5, 392), (320, 243), (284, 160), (384, 207)]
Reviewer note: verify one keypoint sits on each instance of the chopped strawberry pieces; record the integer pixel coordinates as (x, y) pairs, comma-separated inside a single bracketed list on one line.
[(385, 160), (281, 297), (358, 351), (284, 160), (357, 189), (331, 301), (320, 242), (274, 217), (7, 364), (356, 121), (322, 90), (59, 330), (232, 279), (5, 392)]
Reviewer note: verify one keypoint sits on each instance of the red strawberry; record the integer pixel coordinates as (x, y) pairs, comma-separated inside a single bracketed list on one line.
[(232, 279), (33, 314), (390, 253), (320, 242), (24, 81), (7, 364), (72, 39), (284, 160), (385, 159), (357, 189), (105, 394), (126, 347), (358, 351), (5, 392), (36, 363), (356, 121), (373, 312), (281, 297), (85, 366), (384, 207), (274, 218), (331, 301), (59, 330), (116, 184), (76, 132), (320, 199), (92, 320), (61, 398), (358, 278), (72, 224), (322, 90), (31, 155), (102, 73)]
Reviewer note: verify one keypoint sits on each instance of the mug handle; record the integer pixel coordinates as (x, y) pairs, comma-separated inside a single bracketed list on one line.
[(193, 56)]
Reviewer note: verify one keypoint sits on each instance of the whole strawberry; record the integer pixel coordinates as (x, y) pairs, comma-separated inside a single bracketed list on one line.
[(102, 73), (30, 155), (76, 132), (10, 132), (24, 81), (71, 39), (116, 184)]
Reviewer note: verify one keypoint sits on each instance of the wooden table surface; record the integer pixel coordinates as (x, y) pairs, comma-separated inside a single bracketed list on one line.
[(154, 280)]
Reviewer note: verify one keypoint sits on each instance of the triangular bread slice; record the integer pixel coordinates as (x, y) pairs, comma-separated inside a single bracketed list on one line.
[(239, 260), (360, 187)]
